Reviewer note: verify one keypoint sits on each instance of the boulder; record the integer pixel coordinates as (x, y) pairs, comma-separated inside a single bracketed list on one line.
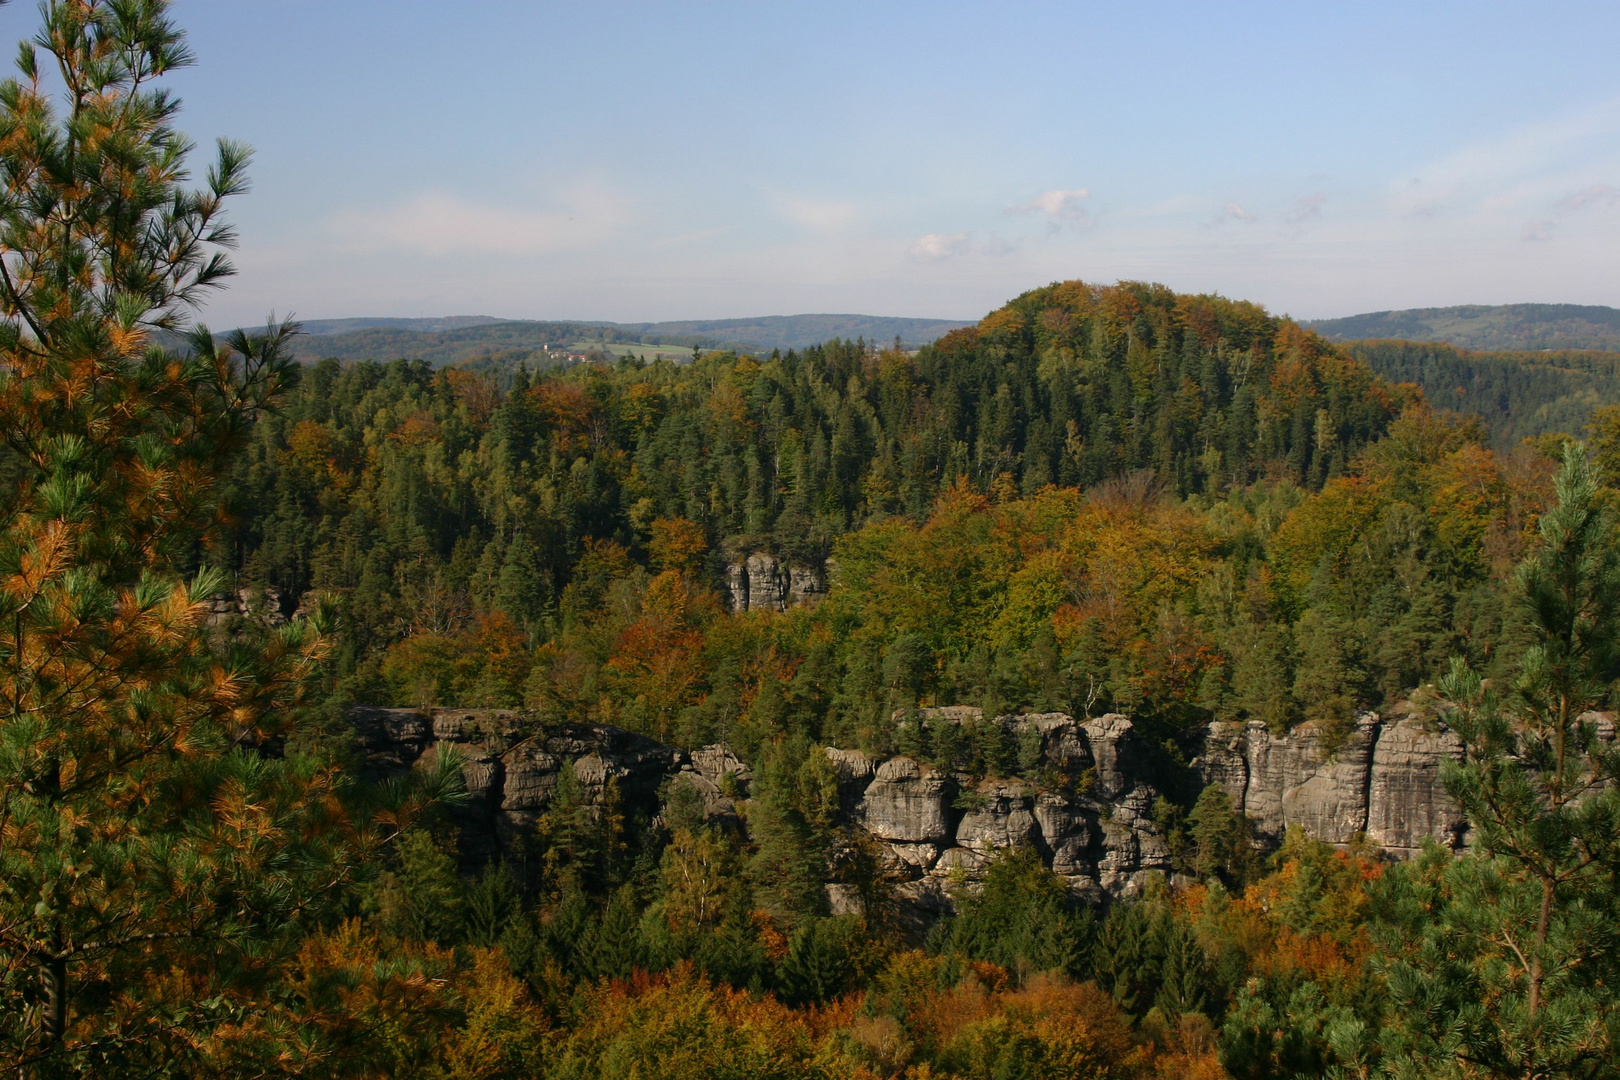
[(1002, 817), (906, 801)]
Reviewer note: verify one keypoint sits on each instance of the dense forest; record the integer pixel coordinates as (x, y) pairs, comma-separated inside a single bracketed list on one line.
[(1098, 500), (1519, 395), (1499, 327)]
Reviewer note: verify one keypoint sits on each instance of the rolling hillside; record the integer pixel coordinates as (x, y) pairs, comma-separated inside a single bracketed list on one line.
[(1518, 394), (482, 339), (1476, 326)]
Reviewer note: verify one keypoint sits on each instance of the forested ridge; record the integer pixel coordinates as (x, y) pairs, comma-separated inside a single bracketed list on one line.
[(1505, 327), (1174, 510), (1519, 395), (439, 502)]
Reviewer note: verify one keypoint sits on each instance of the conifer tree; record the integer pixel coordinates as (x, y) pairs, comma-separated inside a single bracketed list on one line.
[(1507, 962), (159, 858)]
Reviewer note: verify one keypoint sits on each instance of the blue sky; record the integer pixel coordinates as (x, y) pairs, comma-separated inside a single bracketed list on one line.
[(651, 161)]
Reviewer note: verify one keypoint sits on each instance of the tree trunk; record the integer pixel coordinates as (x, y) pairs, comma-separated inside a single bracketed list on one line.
[(1542, 922), (53, 980)]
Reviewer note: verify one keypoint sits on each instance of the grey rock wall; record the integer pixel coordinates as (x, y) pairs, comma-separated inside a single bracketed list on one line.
[(1406, 802), (760, 581), (1090, 816), (1381, 781), (1092, 821)]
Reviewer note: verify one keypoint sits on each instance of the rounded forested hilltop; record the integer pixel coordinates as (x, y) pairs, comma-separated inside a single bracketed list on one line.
[(1074, 383), (1098, 497)]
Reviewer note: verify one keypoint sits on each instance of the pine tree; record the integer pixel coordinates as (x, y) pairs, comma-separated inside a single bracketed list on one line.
[(159, 857), (1222, 839), (1508, 960)]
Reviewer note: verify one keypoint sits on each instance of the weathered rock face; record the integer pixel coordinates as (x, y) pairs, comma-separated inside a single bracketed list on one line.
[(762, 581), (1089, 815), (263, 604), (1406, 803), (1002, 816), (1381, 781), (510, 770), (906, 802), (1295, 780), (1225, 760), (1090, 818)]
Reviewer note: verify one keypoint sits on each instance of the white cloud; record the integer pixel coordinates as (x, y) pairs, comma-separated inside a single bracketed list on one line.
[(1062, 206), (444, 223), (1596, 195), (938, 247), (1537, 231), (1233, 211), (818, 215)]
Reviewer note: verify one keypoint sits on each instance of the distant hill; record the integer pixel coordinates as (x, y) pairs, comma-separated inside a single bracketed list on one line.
[(1489, 328), (798, 331), (495, 342), (481, 339), (416, 326), (1517, 394)]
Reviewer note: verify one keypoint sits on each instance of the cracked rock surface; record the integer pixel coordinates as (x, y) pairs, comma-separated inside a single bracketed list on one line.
[(1089, 812)]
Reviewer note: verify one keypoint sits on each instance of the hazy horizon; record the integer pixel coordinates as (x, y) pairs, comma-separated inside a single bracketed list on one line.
[(638, 163)]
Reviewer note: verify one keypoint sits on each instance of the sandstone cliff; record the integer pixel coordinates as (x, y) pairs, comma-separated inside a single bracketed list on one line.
[(1381, 781), (1089, 812), (760, 581)]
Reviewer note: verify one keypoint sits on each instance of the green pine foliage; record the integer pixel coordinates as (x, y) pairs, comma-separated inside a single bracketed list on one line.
[(1508, 958), (1022, 919)]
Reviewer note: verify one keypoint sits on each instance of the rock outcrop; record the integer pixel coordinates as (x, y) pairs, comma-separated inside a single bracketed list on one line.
[(511, 769), (760, 581), (1380, 780), (907, 803), (1406, 803), (1086, 803), (1091, 817), (262, 603)]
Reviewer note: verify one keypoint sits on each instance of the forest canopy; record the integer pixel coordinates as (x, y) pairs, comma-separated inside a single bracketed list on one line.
[(1105, 509)]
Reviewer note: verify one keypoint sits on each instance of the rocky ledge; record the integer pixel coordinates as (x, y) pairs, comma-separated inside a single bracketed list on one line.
[(1090, 817), (1089, 812), (762, 581), (1381, 781)]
